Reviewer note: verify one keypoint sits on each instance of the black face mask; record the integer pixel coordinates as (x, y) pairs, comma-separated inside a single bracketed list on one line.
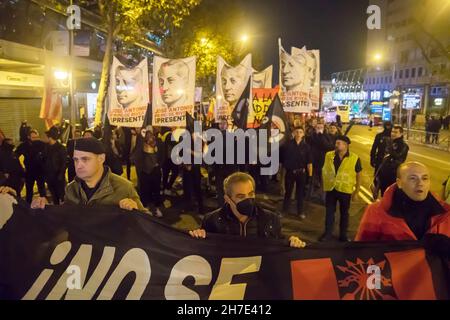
[(247, 207)]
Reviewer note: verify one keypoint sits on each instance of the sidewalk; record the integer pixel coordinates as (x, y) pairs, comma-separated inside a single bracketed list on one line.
[(418, 136)]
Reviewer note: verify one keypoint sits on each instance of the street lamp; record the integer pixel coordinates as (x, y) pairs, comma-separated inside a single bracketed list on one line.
[(244, 38), (60, 74)]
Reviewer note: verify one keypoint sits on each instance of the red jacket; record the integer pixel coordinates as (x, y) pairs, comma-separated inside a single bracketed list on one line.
[(378, 224)]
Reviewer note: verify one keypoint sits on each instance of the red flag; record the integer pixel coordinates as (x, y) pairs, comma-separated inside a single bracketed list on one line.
[(51, 106)]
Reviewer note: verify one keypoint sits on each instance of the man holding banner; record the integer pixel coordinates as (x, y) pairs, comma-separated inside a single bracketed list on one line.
[(241, 215), (407, 211), (95, 184)]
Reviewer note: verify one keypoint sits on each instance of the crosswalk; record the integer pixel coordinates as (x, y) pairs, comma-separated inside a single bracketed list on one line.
[(366, 195)]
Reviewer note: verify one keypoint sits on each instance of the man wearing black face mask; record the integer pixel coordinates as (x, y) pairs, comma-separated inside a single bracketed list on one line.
[(241, 215)]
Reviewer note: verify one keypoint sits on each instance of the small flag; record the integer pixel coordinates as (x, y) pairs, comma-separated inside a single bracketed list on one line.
[(189, 123), (240, 112), (276, 119)]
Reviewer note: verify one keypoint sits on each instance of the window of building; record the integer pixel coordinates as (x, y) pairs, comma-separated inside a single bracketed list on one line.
[(413, 72), (401, 74), (407, 73), (419, 72)]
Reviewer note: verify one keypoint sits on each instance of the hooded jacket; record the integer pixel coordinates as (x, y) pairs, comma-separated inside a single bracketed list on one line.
[(381, 223)]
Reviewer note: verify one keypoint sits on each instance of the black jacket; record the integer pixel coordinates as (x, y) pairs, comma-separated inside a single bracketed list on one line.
[(320, 144), (434, 126), (296, 156), (55, 162), (138, 154), (10, 164), (264, 224), (396, 154), (33, 153), (378, 150)]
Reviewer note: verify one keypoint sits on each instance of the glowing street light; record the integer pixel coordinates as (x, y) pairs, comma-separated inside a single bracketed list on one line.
[(377, 56), (61, 75), (203, 41), (244, 38)]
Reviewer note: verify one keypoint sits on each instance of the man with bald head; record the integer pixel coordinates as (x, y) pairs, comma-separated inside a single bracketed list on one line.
[(407, 211)]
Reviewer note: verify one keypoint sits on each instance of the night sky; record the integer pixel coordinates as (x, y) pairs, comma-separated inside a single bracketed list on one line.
[(336, 27)]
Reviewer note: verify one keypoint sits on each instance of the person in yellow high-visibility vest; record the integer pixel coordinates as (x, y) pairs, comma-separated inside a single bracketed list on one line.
[(341, 174)]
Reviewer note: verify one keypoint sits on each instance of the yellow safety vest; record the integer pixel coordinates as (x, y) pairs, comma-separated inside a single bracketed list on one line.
[(345, 179), (447, 191)]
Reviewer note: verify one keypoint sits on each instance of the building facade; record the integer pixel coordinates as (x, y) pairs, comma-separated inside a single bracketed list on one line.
[(33, 46), (408, 59)]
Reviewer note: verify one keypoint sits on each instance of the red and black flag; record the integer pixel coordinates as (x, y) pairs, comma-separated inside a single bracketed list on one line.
[(274, 120)]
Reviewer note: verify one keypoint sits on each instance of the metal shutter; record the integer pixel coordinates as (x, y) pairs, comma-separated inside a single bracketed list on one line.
[(14, 111)]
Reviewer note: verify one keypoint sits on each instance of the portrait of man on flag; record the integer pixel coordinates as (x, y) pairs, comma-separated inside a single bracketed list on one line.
[(173, 90), (230, 84), (128, 94), (300, 80)]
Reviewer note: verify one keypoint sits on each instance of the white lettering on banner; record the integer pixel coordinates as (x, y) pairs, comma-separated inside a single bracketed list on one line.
[(6, 208), (59, 254), (190, 266), (374, 20), (83, 259), (223, 289), (136, 261)]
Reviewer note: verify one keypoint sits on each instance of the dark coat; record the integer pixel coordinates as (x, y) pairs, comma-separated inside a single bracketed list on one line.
[(320, 144), (34, 155), (378, 150), (265, 224), (55, 162)]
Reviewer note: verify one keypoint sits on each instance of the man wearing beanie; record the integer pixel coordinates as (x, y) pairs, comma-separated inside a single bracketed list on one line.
[(94, 183), (341, 175)]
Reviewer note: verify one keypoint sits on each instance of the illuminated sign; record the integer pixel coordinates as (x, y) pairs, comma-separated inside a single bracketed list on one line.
[(375, 95), (438, 101), (411, 101)]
